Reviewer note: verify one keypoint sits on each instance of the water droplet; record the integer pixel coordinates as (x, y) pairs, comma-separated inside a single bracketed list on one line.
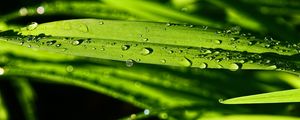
[(81, 27), (40, 10), (77, 42), (146, 111), (218, 41), (32, 26), (163, 61), (163, 115), (235, 66), (21, 43), (129, 62), (69, 68), (207, 52), (185, 62), (203, 65), (146, 39), (191, 26), (51, 42), (94, 48), (170, 51), (132, 116), (272, 67), (204, 27), (29, 46), (101, 22), (146, 51), (102, 49), (58, 45), (1, 71), (125, 47), (23, 11), (221, 100)]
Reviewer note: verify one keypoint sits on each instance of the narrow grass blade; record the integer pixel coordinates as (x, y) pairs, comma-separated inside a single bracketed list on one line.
[(251, 117), (285, 96), (26, 97), (4, 115), (155, 11)]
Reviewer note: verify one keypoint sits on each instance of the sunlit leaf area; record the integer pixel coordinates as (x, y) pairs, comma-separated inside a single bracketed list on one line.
[(150, 60)]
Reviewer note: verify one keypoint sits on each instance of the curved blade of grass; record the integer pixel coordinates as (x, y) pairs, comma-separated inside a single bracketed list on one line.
[(70, 9), (162, 33), (252, 19), (157, 12), (132, 52), (251, 117), (26, 97), (285, 96), (202, 48), (4, 115)]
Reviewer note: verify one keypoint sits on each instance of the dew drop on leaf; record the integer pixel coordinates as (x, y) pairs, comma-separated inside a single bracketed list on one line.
[(203, 65), (32, 26), (146, 111), (77, 42), (58, 45), (218, 41), (163, 115), (21, 43), (235, 66), (69, 68), (129, 62), (51, 42), (221, 100), (185, 62), (1, 71), (146, 51), (146, 39), (101, 22), (125, 47), (163, 61), (272, 67)]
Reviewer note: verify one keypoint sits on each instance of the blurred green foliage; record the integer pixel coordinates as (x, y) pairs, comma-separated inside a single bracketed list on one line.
[(160, 92)]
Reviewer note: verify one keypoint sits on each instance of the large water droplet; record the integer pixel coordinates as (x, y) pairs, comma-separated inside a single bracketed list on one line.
[(203, 65), (101, 22), (1, 71), (146, 51), (32, 26), (77, 42), (235, 66), (272, 67), (125, 47), (185, 62), (146, 111), (163, 61), (218, 41), (129, 62)]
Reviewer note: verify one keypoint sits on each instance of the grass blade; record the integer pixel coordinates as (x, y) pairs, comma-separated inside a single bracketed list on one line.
[(251, 117), (285, 96), (4, 115), (26, 97)]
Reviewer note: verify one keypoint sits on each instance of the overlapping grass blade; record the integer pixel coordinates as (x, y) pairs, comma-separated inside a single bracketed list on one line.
[(4, 115), (161, 13), (26, 97), (157, 43), (285, 96), (251, 117)]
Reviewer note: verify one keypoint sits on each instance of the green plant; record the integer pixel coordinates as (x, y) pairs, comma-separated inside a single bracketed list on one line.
[(170, 63)]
